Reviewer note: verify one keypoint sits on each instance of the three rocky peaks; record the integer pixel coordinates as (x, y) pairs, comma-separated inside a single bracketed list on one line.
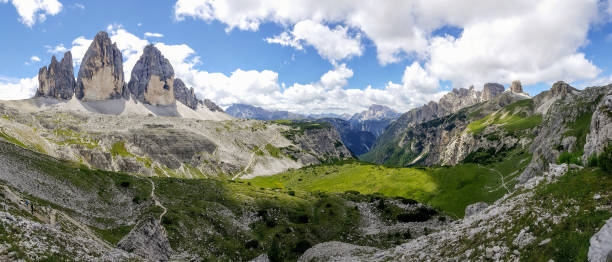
[(101, 77)]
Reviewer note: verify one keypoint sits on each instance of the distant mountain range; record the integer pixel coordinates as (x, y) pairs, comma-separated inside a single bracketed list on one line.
[(358, 132)]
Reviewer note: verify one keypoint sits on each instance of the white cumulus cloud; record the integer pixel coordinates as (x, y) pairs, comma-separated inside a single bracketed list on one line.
[(497, 41), (32, 11), (332, 44), (15, 89)]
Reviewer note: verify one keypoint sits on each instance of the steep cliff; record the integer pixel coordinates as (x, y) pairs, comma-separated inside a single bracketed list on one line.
[(152, 80), (101, 74), (57, 80)]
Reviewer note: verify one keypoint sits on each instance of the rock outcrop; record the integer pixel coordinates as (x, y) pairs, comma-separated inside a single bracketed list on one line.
[(516, 87), (600, 249), (491, 90), (212, 106), (101, 73), (152, 80), (561, 89), (57, 80), (600, 129), (185, 95), (475, 208), (147, 239)]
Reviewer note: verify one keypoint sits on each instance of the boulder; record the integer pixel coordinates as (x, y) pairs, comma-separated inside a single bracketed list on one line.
[(600, 249), (101, 73), (152, 80), (57, 80)]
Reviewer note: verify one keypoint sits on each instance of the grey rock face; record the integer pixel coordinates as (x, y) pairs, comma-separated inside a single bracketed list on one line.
[(57, 80), (475, 208), (147, 239), (600, 249), (171, 147), (516, 86), (101, 73), (600, 134), (491, 90), (212, 106), (561, 88), (152, 80), (185, 95)]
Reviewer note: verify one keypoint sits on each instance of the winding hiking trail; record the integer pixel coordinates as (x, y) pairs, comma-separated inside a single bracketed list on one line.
[(252, 159), (157, 203)]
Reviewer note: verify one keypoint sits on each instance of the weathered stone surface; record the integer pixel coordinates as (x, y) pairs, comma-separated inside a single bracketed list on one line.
[(475, 208), (601, 128), (516, 86), (561, 88), (600, 249), (491, 90), (185, 95), (152, 80), (101, 73), (57, 80), (147, 239)]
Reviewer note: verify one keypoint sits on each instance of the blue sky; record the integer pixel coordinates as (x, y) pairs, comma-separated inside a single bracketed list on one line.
[(312, 56)]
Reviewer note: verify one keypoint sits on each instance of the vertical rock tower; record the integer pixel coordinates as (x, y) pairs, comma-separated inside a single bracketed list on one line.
[(491, 90), (57, 80), (152, 80), (101, 73)]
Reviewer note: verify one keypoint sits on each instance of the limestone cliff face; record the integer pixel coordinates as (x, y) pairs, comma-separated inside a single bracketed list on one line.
[(185, 95), (600, 133), (450, 103), (152, 80), (101, 73), (516, 87), (57, 80), (491, 90)]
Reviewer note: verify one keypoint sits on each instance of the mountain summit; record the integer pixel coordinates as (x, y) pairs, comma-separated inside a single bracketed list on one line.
[(57, 80), (101, 73), (152, 80)]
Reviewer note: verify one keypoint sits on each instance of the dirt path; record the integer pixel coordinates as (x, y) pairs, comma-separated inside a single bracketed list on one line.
[(252, 159), (502, 179), (157, 203)]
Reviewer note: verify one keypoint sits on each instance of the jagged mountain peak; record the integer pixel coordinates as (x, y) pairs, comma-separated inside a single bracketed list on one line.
[(375, 112), (57, 80), (101, 73), (152, 80), (562, 89)]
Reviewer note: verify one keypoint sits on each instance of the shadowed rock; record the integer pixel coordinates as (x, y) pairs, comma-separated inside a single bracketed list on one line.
[(57, 80), (152, 80), (185, 95)]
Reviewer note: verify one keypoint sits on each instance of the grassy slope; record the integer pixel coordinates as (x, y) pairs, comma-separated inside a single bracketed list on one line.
[(449, 189), (570, 238)]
